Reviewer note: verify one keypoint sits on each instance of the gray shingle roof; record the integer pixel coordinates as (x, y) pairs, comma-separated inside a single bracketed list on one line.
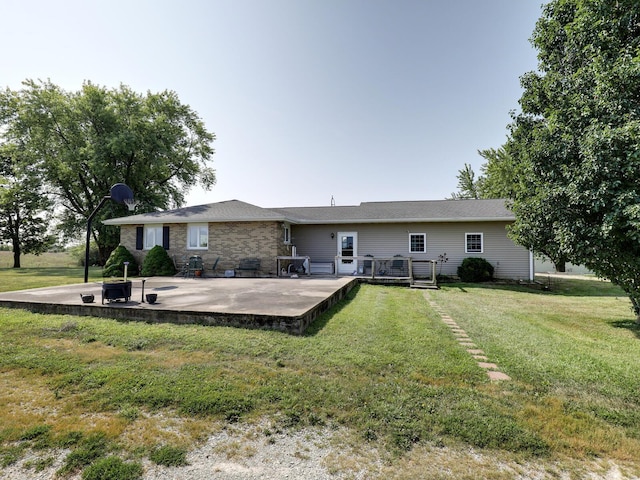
[(366, 212), (393, 212), (227, 211)]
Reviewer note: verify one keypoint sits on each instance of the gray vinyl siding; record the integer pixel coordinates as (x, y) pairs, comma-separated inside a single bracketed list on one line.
[(315, 241), (386, 240)]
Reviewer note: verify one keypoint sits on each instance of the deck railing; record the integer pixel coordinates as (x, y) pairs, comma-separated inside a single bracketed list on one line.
[(397, 267)]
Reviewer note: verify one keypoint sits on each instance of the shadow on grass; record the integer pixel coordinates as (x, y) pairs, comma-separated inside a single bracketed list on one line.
[(320, 322), (54, 272), (631, 325), (554, 286)]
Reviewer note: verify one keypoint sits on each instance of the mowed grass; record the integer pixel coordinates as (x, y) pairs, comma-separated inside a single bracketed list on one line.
[(381, 364), (42, 271), (573, 354)]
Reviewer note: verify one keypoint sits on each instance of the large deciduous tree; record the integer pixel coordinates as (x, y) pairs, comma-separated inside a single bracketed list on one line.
[(576, 142), (86, 141), (469, 187), (25, 209), (498, 175), (503, 177)]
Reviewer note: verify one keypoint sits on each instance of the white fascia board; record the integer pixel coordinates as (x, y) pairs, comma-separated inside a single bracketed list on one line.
[(406, 220), (161, 220)]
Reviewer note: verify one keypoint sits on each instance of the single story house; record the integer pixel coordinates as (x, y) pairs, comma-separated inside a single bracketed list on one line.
[(420, 230)]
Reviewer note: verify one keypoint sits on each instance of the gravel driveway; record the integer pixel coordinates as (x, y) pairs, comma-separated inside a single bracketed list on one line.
[(246, 454)]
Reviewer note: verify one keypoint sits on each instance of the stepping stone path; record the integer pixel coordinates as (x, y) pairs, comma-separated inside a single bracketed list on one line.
[(463, 339)]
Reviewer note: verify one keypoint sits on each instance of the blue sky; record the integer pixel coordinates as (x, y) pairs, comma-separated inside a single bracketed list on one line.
[(362, 100)]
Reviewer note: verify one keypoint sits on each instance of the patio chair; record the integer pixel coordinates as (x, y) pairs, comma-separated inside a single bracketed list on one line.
[(367, 264), (397, 265), (195, 264), (215, 264), (181, 265)]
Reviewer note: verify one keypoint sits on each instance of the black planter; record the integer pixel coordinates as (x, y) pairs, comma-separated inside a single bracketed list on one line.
[(86, 298), (116, 291), (151, 297)]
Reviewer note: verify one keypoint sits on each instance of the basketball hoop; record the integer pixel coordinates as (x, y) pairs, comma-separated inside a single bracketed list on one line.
[(131, 203), (119, 193)]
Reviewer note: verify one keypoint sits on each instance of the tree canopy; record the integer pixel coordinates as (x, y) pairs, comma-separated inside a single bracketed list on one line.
[(84, 142), (468, 185), (497, 179), (576, 144), (24, 206)]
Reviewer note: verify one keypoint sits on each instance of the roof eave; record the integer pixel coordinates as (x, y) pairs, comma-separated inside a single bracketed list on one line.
[(154, 221), (405, 220)]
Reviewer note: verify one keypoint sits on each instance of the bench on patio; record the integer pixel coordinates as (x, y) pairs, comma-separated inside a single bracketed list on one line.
[(322, 267), (249, 264)]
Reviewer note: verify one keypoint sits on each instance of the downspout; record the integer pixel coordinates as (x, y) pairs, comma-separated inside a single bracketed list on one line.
[(532, 273)]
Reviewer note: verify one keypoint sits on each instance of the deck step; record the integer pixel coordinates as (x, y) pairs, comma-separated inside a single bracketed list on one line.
[(424, 286)]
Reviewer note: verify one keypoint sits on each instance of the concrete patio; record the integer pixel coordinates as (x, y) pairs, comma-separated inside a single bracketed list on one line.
[(285, 304)]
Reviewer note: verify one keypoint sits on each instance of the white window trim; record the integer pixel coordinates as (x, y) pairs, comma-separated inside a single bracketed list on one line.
[(286, 227), (424, 236), (157, 229), (466, 242), (198, 226)]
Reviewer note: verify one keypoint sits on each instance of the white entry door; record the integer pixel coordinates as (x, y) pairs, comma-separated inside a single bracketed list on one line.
[(347, 247)]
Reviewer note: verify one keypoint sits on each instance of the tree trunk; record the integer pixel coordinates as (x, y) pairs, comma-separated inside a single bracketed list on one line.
[(635, 305), (561, 266), (16, 253), (102, 252), (559, 262), (102, 255)]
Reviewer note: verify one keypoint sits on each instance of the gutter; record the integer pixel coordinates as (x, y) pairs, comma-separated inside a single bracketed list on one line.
[(404, 220), (156, 220), (163, 220), (532, 267)]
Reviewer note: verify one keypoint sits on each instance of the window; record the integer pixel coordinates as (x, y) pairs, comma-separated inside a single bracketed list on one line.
[(287, 233), (152, 236), (473, 243), (198, 237), (148, 236), (418, 242)]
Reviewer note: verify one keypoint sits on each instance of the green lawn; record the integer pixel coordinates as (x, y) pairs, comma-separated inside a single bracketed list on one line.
[(42, 271), (574, 354), (381, 364)]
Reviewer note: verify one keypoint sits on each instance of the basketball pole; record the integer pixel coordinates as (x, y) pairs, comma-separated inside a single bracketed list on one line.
[(119, 193), (86, 252)]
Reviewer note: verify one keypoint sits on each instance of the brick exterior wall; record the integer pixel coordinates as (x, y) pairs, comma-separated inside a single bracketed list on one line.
[(230, 241), (128, 240)]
